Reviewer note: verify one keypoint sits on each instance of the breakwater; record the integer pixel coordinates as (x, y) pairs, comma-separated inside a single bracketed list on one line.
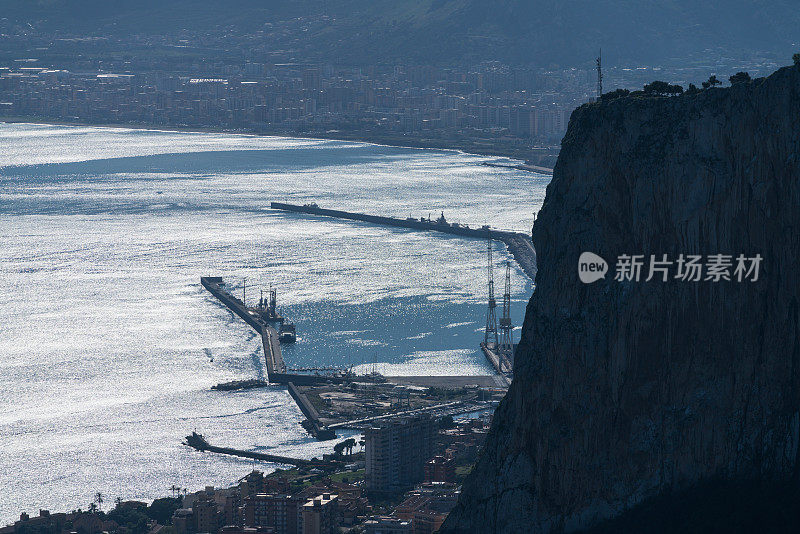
[(198, 442), (519, 245), (312, 422)]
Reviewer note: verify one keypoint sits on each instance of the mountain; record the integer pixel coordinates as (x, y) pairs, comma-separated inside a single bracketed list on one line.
[(538, 32), (627, 392)]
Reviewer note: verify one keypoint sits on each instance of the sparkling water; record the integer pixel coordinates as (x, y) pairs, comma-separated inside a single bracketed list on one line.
[(109, 345)]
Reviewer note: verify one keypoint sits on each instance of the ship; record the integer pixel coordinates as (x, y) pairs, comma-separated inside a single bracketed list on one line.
[(287, 333)]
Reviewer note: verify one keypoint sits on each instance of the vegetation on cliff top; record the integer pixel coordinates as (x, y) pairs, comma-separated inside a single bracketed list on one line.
[(663, 89)]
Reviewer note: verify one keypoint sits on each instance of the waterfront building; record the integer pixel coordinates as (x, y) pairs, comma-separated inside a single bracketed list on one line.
[(396, 452), (252, 484)]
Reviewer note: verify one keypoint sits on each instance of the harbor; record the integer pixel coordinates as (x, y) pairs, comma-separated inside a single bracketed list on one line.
[(336, 398), (331, 398)]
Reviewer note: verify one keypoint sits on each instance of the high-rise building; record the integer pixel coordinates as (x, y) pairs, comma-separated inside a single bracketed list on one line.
[(321, 515), (204, 511), (396, 452), (284, 513)]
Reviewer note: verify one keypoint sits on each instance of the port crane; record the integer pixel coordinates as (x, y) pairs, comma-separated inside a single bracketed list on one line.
[(506, 347), (491, 316)]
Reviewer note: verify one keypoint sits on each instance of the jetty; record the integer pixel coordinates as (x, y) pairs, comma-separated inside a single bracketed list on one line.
[(519, 245), (198, 442)]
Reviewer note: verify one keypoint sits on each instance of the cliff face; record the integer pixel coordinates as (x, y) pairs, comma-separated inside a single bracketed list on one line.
[(624, 390)]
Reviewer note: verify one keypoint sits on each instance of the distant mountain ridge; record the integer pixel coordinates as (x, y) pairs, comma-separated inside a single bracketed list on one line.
[(541, 32)]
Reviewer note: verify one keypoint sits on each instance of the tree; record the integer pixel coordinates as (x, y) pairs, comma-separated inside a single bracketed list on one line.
[(338, 449), (162, 509), (740, 77), (447, 422), (659, 88), (796, 59), (618, 93), (712, 81), (692, 89), (98, 498)]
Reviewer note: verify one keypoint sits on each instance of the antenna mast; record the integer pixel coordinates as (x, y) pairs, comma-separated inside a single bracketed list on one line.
[(599, 74), (506, 334), (491, 317)]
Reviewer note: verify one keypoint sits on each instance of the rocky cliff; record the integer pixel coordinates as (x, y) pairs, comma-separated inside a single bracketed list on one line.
[(625, 390)]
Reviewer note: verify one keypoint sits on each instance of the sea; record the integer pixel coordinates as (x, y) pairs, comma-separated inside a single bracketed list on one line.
[(109, 345)]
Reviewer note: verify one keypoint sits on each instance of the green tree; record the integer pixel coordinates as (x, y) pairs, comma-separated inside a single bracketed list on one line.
[(447, 422), (659, 88), (712, 81), (740, 77), (162, 509), (617, 93), (796, 59)]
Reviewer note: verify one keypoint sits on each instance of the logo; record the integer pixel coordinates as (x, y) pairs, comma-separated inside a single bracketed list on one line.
[(591, 267), (683, 268)]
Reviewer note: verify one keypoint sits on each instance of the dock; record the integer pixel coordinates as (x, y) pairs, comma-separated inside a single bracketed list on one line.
[(500, 362), (440, 410), (450, 381), (519, 245), (272, 351), (257, 318), (312, 422)]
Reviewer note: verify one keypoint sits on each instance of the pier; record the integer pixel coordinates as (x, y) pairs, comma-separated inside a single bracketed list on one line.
[(499, 361), (198, 442), (272, 351), (312, 422), (260, 319), (519, 245), (255, 317)]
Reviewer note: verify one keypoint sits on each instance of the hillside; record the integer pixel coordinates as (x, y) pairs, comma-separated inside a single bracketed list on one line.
[(539, 32)]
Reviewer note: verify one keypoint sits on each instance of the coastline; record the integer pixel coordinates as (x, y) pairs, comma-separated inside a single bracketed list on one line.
[(337, 135)]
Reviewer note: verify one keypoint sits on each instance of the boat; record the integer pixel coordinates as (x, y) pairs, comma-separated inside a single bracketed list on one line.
[(287, 333)]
